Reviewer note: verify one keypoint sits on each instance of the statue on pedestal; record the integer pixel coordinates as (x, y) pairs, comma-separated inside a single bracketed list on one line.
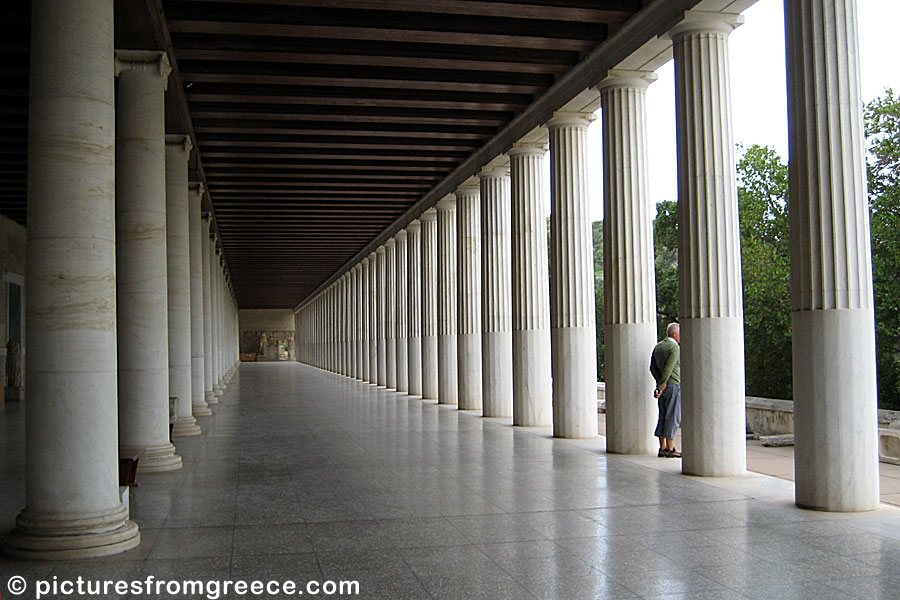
[(14, 389)]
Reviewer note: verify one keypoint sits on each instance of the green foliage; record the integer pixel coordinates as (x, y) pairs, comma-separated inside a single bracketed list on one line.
[(665, 243), (882, 120), (600, 305), (766, 271)]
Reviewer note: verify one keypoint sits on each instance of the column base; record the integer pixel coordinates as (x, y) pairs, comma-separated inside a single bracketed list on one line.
[(42, 537), (155, 459), (218, 390), (201, 410), (210, 397), (186, 426)]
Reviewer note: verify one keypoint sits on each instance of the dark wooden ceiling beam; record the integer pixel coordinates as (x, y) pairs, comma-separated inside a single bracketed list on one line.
[(360, 83), (315, 129), (361, 60), (511, 10), (362, 101), (475, 118), (406, 36)]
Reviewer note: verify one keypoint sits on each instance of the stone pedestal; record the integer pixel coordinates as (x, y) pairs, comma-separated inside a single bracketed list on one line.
[(628, 280), (446, 302), (496, 299), (573, 334), (429, 305), (532, 388), (468, 293), (709, 270), (141, 315), (178, 149), (835, 395), (73, 509), (414, 308)]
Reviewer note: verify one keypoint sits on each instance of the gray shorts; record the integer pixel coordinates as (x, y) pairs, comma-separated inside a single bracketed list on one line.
[(669, 411)]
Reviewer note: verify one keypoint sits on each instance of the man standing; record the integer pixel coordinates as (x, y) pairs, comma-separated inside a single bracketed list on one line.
[(665, 365)]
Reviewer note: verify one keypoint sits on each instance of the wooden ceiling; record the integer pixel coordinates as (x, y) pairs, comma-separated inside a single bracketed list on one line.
[(320, 122)]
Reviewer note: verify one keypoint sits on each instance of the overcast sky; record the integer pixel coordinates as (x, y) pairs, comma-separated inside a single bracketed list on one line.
[(758, 94)]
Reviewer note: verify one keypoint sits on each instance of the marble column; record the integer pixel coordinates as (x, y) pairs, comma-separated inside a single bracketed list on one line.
[(468, 293), (496, 276), (446, 298), (198, 398), (214, 314), (390, 313), (628, 266), (532, 387), (178, 260), (381, 272), (429, 305), (220, 318), (414, 307), (373, 318), (356, 345), (835, 395), (709, 265), (207, 313), (573, 335), (364, 325), (141, 316), (73, 508), (401, 325)]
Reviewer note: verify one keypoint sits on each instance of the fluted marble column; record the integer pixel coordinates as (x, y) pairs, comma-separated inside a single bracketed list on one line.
[(573, 329), (381, 291), (390, 313), (709, 266), (496, 276), (429, 305), (364, 326), (414, 308), (628, 265), (220, 318), (142, 318), (356, 307), (178, 260), (468, 292), (198, 400), (207, 314), (373, 318), (835, 395), (401, 326), (214, 315), (532, 387), (446, 299), (71, 473)]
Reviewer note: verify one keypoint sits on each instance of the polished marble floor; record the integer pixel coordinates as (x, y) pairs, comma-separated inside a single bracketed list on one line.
[(306, 475)]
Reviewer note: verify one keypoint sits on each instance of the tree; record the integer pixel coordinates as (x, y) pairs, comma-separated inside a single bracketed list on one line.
[(600, 304), (882, 121), (765, 270), (665, 244)]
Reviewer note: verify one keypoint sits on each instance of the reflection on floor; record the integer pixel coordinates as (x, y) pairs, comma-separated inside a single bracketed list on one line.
[(306, 475)]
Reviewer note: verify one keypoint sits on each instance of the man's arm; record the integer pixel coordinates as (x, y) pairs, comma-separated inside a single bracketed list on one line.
[(671, 361)]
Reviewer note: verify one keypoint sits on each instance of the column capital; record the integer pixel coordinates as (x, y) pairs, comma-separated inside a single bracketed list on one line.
[(428, 215), (390, 244), (174, 140), (379, 250), (468, 188), (696, 21), (372, 257), (364, 262), (151, 61), (527, 148), (621, 78), (414, 225), (400, 235), (198, 187), (493, 172), (562, 118), (446, 203)]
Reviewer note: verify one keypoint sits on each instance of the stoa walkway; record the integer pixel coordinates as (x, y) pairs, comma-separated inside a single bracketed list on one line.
[(302, 475)]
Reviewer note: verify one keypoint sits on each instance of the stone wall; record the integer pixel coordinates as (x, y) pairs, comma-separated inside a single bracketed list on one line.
[(265, 332)]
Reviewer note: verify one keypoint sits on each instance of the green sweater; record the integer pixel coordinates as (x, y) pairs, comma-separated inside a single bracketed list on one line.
[(665, 364)]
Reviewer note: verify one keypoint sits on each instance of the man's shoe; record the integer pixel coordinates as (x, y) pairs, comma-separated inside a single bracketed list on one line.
[(663, 453)]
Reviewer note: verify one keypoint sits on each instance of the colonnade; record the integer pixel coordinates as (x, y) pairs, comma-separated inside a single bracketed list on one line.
[(489, 325), (129, 302)]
